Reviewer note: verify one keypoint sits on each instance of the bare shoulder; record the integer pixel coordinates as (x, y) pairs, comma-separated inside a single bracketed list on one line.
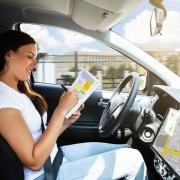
[(11, 120), (8, 114), (15, 131)]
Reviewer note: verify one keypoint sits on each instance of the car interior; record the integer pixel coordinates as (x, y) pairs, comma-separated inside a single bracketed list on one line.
[(135, 108)]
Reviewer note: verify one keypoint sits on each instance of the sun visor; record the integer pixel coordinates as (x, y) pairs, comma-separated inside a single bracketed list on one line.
[(101, 15), (115, 6)]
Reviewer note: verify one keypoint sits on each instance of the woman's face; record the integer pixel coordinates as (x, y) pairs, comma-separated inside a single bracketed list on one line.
[(23, 61)]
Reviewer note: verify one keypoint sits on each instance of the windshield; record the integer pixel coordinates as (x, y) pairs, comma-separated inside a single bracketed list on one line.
[(164, 47)]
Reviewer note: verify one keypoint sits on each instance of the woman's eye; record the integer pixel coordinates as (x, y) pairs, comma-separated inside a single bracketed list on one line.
[(30, 57)]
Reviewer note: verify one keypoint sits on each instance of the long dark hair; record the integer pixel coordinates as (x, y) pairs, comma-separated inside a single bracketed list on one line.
[(12, 40)]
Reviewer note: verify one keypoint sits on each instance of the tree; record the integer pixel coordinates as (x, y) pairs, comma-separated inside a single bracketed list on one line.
[(172, 63), (41, 55), (111, 76), (114, 74), (94, 70), (126, 67)]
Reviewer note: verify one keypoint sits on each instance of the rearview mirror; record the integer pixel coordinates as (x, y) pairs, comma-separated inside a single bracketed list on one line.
[(156, 21)]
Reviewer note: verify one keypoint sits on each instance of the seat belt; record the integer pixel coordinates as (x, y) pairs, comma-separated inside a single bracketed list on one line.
[(51, 171), (48, 172), (57, 162)]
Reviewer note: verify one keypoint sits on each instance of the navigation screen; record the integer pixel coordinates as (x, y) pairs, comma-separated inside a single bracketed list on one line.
[(167, 142)]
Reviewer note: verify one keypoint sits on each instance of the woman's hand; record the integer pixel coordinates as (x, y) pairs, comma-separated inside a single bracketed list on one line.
[(67, 101), (73, 118)]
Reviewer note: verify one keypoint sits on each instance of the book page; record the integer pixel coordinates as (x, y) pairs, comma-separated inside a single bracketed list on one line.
[(84, 85)]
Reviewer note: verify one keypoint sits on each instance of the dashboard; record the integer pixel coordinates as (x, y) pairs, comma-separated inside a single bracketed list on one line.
[(166, 144), (160, 129)]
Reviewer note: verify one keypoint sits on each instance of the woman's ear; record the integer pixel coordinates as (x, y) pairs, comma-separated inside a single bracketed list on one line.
[(8, 56)]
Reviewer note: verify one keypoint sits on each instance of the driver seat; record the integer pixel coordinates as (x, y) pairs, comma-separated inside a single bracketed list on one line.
[(11, 167)]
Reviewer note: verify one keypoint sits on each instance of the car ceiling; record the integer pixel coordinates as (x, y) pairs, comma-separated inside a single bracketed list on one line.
[(96, 15)]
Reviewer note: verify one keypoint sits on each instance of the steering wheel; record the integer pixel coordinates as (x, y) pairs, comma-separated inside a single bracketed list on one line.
[(118, 106)]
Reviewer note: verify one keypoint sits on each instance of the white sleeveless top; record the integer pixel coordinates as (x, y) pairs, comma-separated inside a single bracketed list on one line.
[(9, 98)]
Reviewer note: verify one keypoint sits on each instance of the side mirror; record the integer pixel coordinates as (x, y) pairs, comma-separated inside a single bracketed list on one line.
[(156, 21)]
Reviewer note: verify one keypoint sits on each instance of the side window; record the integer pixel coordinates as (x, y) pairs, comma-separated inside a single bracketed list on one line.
[(63, 53)]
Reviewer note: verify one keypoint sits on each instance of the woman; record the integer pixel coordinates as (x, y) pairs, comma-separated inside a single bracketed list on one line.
[(20, 123)]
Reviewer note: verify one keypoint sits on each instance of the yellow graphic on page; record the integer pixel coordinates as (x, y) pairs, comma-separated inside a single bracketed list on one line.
[(87, 85), (79, 88)]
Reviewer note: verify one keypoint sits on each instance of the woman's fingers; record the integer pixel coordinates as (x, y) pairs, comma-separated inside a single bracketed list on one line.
[(81, 107), (67, 101)]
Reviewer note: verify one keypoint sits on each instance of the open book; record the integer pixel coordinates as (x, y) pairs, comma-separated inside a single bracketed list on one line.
[(85, 84)]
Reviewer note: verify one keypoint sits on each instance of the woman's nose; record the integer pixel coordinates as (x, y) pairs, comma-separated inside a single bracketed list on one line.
[(34, 64)]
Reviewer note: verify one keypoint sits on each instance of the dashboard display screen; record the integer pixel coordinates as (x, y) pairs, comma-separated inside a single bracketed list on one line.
[(167, 141)]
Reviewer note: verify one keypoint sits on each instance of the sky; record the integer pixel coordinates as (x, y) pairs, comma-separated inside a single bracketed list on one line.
[(135, 28)]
